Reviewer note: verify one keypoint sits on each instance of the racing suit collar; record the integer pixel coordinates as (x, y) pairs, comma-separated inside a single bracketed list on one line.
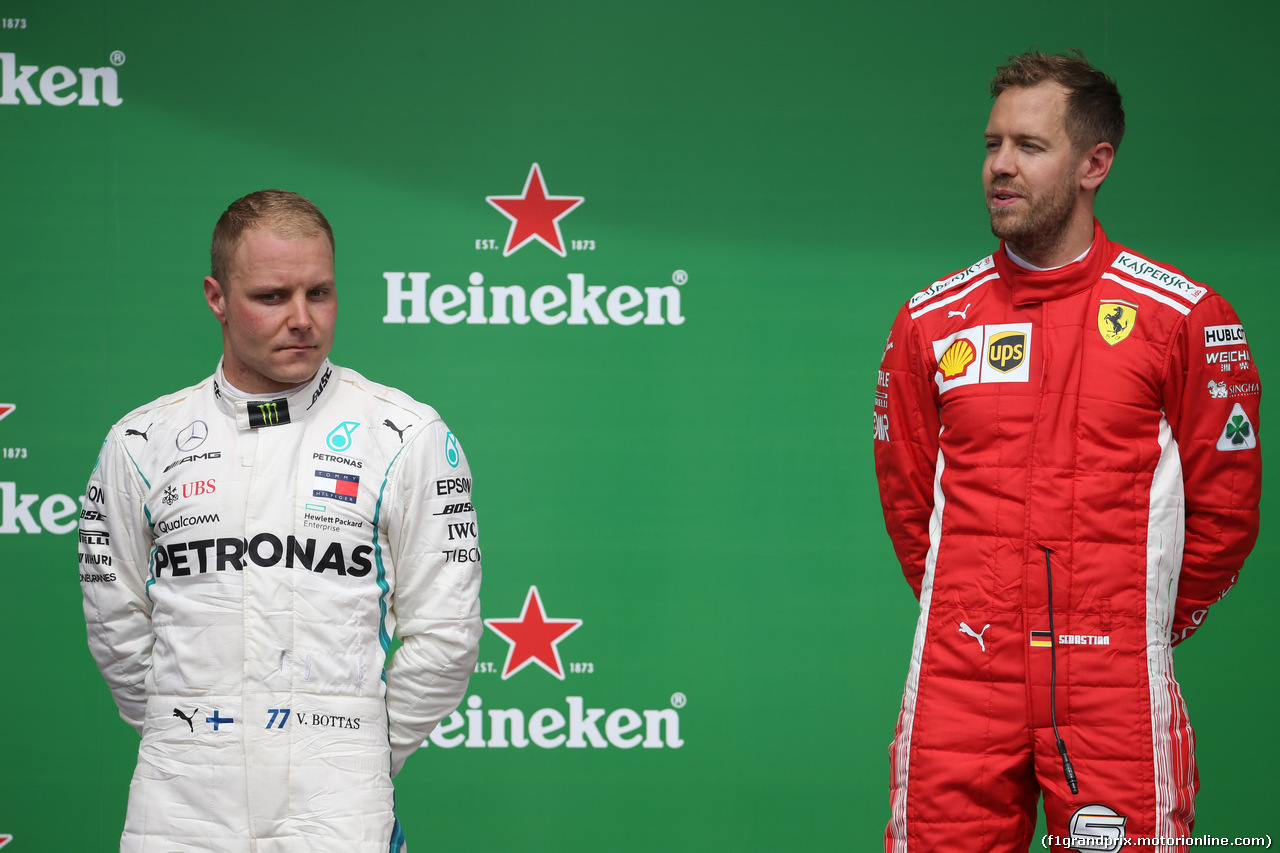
[(1029, 287), (288, 407)]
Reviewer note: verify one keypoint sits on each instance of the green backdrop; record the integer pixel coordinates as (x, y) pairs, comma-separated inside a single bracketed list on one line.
[(699, 494)]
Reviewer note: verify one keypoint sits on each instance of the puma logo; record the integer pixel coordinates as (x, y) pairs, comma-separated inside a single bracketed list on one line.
[(129, 432), (399, 432), (178, 713), (961, 314), (965, 629)]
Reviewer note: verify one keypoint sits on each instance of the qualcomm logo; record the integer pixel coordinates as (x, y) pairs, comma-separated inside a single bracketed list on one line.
[(533, 637), (58, 84), (534, 216)]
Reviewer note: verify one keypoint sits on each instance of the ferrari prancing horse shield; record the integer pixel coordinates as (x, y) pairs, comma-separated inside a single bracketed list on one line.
[(1116, 319)]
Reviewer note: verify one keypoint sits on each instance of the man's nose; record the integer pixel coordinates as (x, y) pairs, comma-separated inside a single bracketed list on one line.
[(299, 315), (1001, 161)]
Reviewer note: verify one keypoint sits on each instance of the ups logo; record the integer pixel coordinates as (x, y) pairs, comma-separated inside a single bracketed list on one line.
[(1006, 350)]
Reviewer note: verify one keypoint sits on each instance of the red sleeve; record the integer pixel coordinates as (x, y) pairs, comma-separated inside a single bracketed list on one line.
[(1212, 397), (906, 444)]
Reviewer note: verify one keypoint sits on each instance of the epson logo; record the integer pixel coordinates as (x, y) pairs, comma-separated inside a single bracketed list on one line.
[(461, 485), (57, 84)]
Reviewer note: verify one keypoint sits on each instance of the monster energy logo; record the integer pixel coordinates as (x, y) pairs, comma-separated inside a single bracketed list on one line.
[(268, 413)]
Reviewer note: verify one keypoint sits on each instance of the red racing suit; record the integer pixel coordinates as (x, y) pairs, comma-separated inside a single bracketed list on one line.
[(1096, 424)]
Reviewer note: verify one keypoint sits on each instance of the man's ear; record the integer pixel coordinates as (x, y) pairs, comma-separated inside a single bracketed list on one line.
[(216, 297), (1097, 165)]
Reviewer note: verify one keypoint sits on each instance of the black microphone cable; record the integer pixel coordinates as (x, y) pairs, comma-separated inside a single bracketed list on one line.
[(1067, 770)]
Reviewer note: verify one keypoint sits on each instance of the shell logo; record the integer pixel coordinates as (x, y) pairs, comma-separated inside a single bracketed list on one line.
[(956, 360)]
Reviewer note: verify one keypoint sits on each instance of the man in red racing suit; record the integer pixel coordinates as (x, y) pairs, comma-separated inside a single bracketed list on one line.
[(1066, 447)]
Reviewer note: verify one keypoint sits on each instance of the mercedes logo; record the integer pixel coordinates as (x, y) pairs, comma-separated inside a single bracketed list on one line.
[(192, 436)]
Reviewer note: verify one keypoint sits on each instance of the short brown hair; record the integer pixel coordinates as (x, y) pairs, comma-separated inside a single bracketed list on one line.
[(1094, 111), (288, 215)]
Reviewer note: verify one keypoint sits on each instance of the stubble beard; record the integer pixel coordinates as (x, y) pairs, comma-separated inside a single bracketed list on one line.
[(1039, 228)]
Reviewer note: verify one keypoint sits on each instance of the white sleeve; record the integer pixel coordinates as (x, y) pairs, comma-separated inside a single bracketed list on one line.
[(115, 547), (436, 597)]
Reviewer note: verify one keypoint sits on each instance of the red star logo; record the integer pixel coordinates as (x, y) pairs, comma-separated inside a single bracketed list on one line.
[(6, 408), (5, 839), (534, 215), (533, 637)]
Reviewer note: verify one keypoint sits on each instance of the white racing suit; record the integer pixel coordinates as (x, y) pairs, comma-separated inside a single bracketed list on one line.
[(245, 564)]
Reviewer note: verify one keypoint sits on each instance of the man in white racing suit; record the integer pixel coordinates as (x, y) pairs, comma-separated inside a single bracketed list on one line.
[(249, 547)]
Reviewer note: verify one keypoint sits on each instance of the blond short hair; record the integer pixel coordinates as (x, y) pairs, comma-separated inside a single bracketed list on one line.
[(287, 215)]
